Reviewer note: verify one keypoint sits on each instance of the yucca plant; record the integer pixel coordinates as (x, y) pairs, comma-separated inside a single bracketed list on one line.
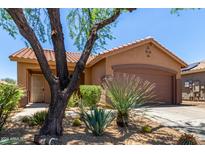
[(127, 91), (97, 120)]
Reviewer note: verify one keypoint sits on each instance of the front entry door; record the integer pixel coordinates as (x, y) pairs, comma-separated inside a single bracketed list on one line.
[(37, 88)]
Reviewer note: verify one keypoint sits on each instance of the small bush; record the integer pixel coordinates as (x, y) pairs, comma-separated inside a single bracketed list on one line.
[(76, 122), (10, 95), (74, 100), (37, 119), (97, 120), (187, 139), (90, 94), (146, 129)]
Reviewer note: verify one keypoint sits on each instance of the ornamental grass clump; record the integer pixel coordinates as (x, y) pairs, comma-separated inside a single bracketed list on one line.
[(37, 119), (126, 92)]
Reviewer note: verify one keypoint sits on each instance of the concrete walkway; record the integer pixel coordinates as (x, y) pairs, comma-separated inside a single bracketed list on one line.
[(191, 119), (29, 110)]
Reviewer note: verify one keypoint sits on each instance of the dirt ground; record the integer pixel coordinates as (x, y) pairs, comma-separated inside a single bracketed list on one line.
[(200, 104), (113, 135)]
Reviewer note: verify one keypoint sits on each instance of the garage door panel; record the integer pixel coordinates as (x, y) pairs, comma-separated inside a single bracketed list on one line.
[(162, 80)]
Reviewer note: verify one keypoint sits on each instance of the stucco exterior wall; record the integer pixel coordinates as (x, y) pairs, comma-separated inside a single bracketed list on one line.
[(24, 80), (88, 75), (138, 55), (98, 71)]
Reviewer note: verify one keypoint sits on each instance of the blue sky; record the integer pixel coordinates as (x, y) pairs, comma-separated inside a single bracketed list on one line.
[(184, 35)]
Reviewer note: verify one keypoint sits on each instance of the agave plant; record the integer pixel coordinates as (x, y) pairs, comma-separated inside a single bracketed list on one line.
[(127, 91), (97, 120), (9, 141)]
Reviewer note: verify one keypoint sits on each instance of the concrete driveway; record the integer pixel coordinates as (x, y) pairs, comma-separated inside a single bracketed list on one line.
[(191, 119)]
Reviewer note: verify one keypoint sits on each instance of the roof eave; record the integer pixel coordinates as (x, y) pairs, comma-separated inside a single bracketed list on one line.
[(193, 71), (149, 40)]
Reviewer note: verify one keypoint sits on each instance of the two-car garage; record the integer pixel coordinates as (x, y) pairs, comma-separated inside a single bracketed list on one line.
[(162, 79)]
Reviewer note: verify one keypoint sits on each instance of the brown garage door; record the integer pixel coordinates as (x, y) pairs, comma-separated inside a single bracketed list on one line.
[(163, 81)]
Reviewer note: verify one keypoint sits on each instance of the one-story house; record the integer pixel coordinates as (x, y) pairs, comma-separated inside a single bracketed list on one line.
[(193, 82), (146, 58)]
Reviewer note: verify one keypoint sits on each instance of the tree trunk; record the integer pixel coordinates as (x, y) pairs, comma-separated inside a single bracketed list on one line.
[(52, 126)]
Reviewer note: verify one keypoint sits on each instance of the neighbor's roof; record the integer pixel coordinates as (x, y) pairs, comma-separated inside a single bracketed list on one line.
[(73, 57), (28, 53), (194, 68)]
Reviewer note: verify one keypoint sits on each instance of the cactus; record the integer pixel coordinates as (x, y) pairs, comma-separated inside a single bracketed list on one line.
[(76, 122), (146, 129), (187, 139)]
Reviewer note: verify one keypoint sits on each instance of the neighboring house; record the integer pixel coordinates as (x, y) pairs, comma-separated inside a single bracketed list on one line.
[(193, 82), (146, 58)]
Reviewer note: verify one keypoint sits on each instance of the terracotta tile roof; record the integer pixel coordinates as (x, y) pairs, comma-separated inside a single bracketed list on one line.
[(194, 67), (27, 53)]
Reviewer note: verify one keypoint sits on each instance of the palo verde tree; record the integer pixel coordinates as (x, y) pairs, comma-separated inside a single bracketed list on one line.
[(89, 28)]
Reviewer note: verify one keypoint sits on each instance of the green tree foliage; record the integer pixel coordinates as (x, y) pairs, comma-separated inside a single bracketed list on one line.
[(178, 10), (9, 80), (37, 18), (79, 24)]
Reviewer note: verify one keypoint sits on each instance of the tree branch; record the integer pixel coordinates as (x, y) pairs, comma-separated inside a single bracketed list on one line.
[(26, 31), (87, 50), (59, 47)]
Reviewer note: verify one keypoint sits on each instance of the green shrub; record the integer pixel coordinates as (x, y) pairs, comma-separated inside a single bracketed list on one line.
[(126, 92), (90, 94), (37, 118), (97, 120), (76, 122), (187, 139), (74, 100), (146, 129), (10, 95)]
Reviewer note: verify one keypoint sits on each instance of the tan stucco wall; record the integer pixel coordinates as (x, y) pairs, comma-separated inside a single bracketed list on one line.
[(23, 80), (88, 76), (139, 56), (98, 71)]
